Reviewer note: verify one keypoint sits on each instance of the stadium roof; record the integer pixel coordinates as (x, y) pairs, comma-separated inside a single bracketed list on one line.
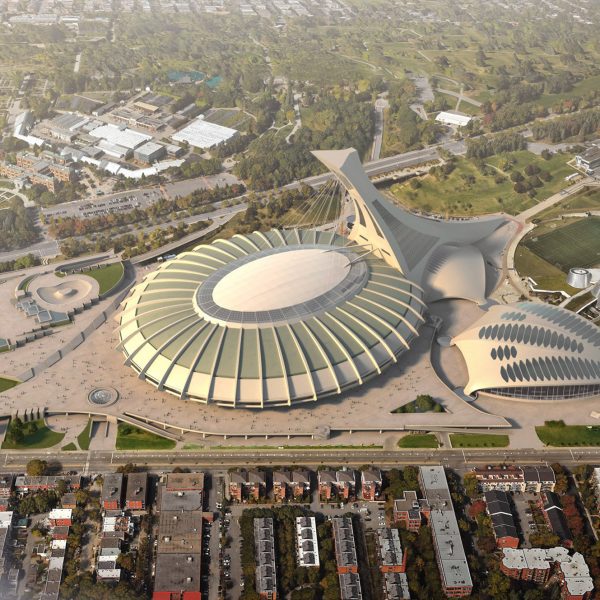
[(269, 319), (203, 134), (533, 351)]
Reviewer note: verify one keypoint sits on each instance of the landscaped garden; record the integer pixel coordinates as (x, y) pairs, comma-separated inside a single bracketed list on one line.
[(108, 276), (418, 440), (134, 438), (556, 433), (31, 434), (478, 440)]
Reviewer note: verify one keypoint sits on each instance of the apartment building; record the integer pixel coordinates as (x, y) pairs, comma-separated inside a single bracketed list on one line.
[(411, 511), (447, 542)]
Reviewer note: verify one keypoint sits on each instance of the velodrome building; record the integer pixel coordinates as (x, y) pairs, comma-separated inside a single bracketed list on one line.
[(285, 317)]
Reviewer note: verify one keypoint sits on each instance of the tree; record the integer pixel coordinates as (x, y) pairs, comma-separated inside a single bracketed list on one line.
[(127, 468), (470, 484), (36, 467)]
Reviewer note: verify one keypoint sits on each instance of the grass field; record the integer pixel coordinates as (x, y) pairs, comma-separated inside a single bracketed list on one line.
[(133, 438), (574, 245), (466, 191), (6, 384), (568, 435), (418, 440), (478, 440), (70, 447), (108, 276), (584, 200), (547, 276), (83, 439), (42, 438)]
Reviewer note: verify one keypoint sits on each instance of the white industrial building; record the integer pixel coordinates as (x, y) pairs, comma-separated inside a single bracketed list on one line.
[(120, 136), (202, 134), (452, 118)]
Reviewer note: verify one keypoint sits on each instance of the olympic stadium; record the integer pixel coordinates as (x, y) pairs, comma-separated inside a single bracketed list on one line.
[(290, 316)]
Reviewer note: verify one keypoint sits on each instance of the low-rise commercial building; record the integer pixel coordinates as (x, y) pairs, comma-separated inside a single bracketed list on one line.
[(266, 568), (589, 160), (182, 492), (447, 542), (411, 511), (307, 546), (503, 522)]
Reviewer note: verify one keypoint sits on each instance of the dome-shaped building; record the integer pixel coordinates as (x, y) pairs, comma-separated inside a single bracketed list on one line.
[(269, 319)]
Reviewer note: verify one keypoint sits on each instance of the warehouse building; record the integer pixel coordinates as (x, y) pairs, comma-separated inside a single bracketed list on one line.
[(149, 152), (202, 134)]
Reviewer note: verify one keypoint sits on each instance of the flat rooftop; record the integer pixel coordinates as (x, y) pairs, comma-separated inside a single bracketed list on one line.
[(179, 532), (179, 572)]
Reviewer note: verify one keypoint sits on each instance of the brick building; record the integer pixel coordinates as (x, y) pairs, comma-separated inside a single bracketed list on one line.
[(112, 491), (503, 522), (411, 511), (137, 491), (511, 478), (371, 483)]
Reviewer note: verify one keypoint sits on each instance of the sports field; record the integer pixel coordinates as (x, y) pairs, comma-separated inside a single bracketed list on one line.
[(575, 245)]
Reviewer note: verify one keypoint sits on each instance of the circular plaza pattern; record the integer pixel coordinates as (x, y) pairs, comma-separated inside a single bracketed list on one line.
[(103, 396), (269, 319)]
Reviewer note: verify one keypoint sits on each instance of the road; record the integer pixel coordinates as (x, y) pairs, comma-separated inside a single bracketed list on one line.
[(380, 105), (459, 96), (105, 461)]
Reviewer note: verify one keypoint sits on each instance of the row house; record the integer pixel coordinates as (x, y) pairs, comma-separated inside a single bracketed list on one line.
[(371, 484), (393, 559), (27, 483), (294, 483), (137, 491), (337, 483), (59, 517), (511, 478), (503, 523), (245, 485), (345, 545), (307, 548), (6, 487), (266, 568), (111, 496), (411, 511), (555, 517)]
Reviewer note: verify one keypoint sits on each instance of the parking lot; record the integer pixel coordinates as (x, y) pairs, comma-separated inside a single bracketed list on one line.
[(103, 205)]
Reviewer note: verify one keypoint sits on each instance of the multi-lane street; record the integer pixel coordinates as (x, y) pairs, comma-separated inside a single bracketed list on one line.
[(104, 461)]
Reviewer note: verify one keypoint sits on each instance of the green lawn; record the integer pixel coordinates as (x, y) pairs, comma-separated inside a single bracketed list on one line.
[(418, 440), (586, 199), (466, 191), (547, 276), (69, 447), (42, 438), (575, 245), (108, 276), (569, 435), (6, 384), (83, 439), (133, 438), (478, 440)]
